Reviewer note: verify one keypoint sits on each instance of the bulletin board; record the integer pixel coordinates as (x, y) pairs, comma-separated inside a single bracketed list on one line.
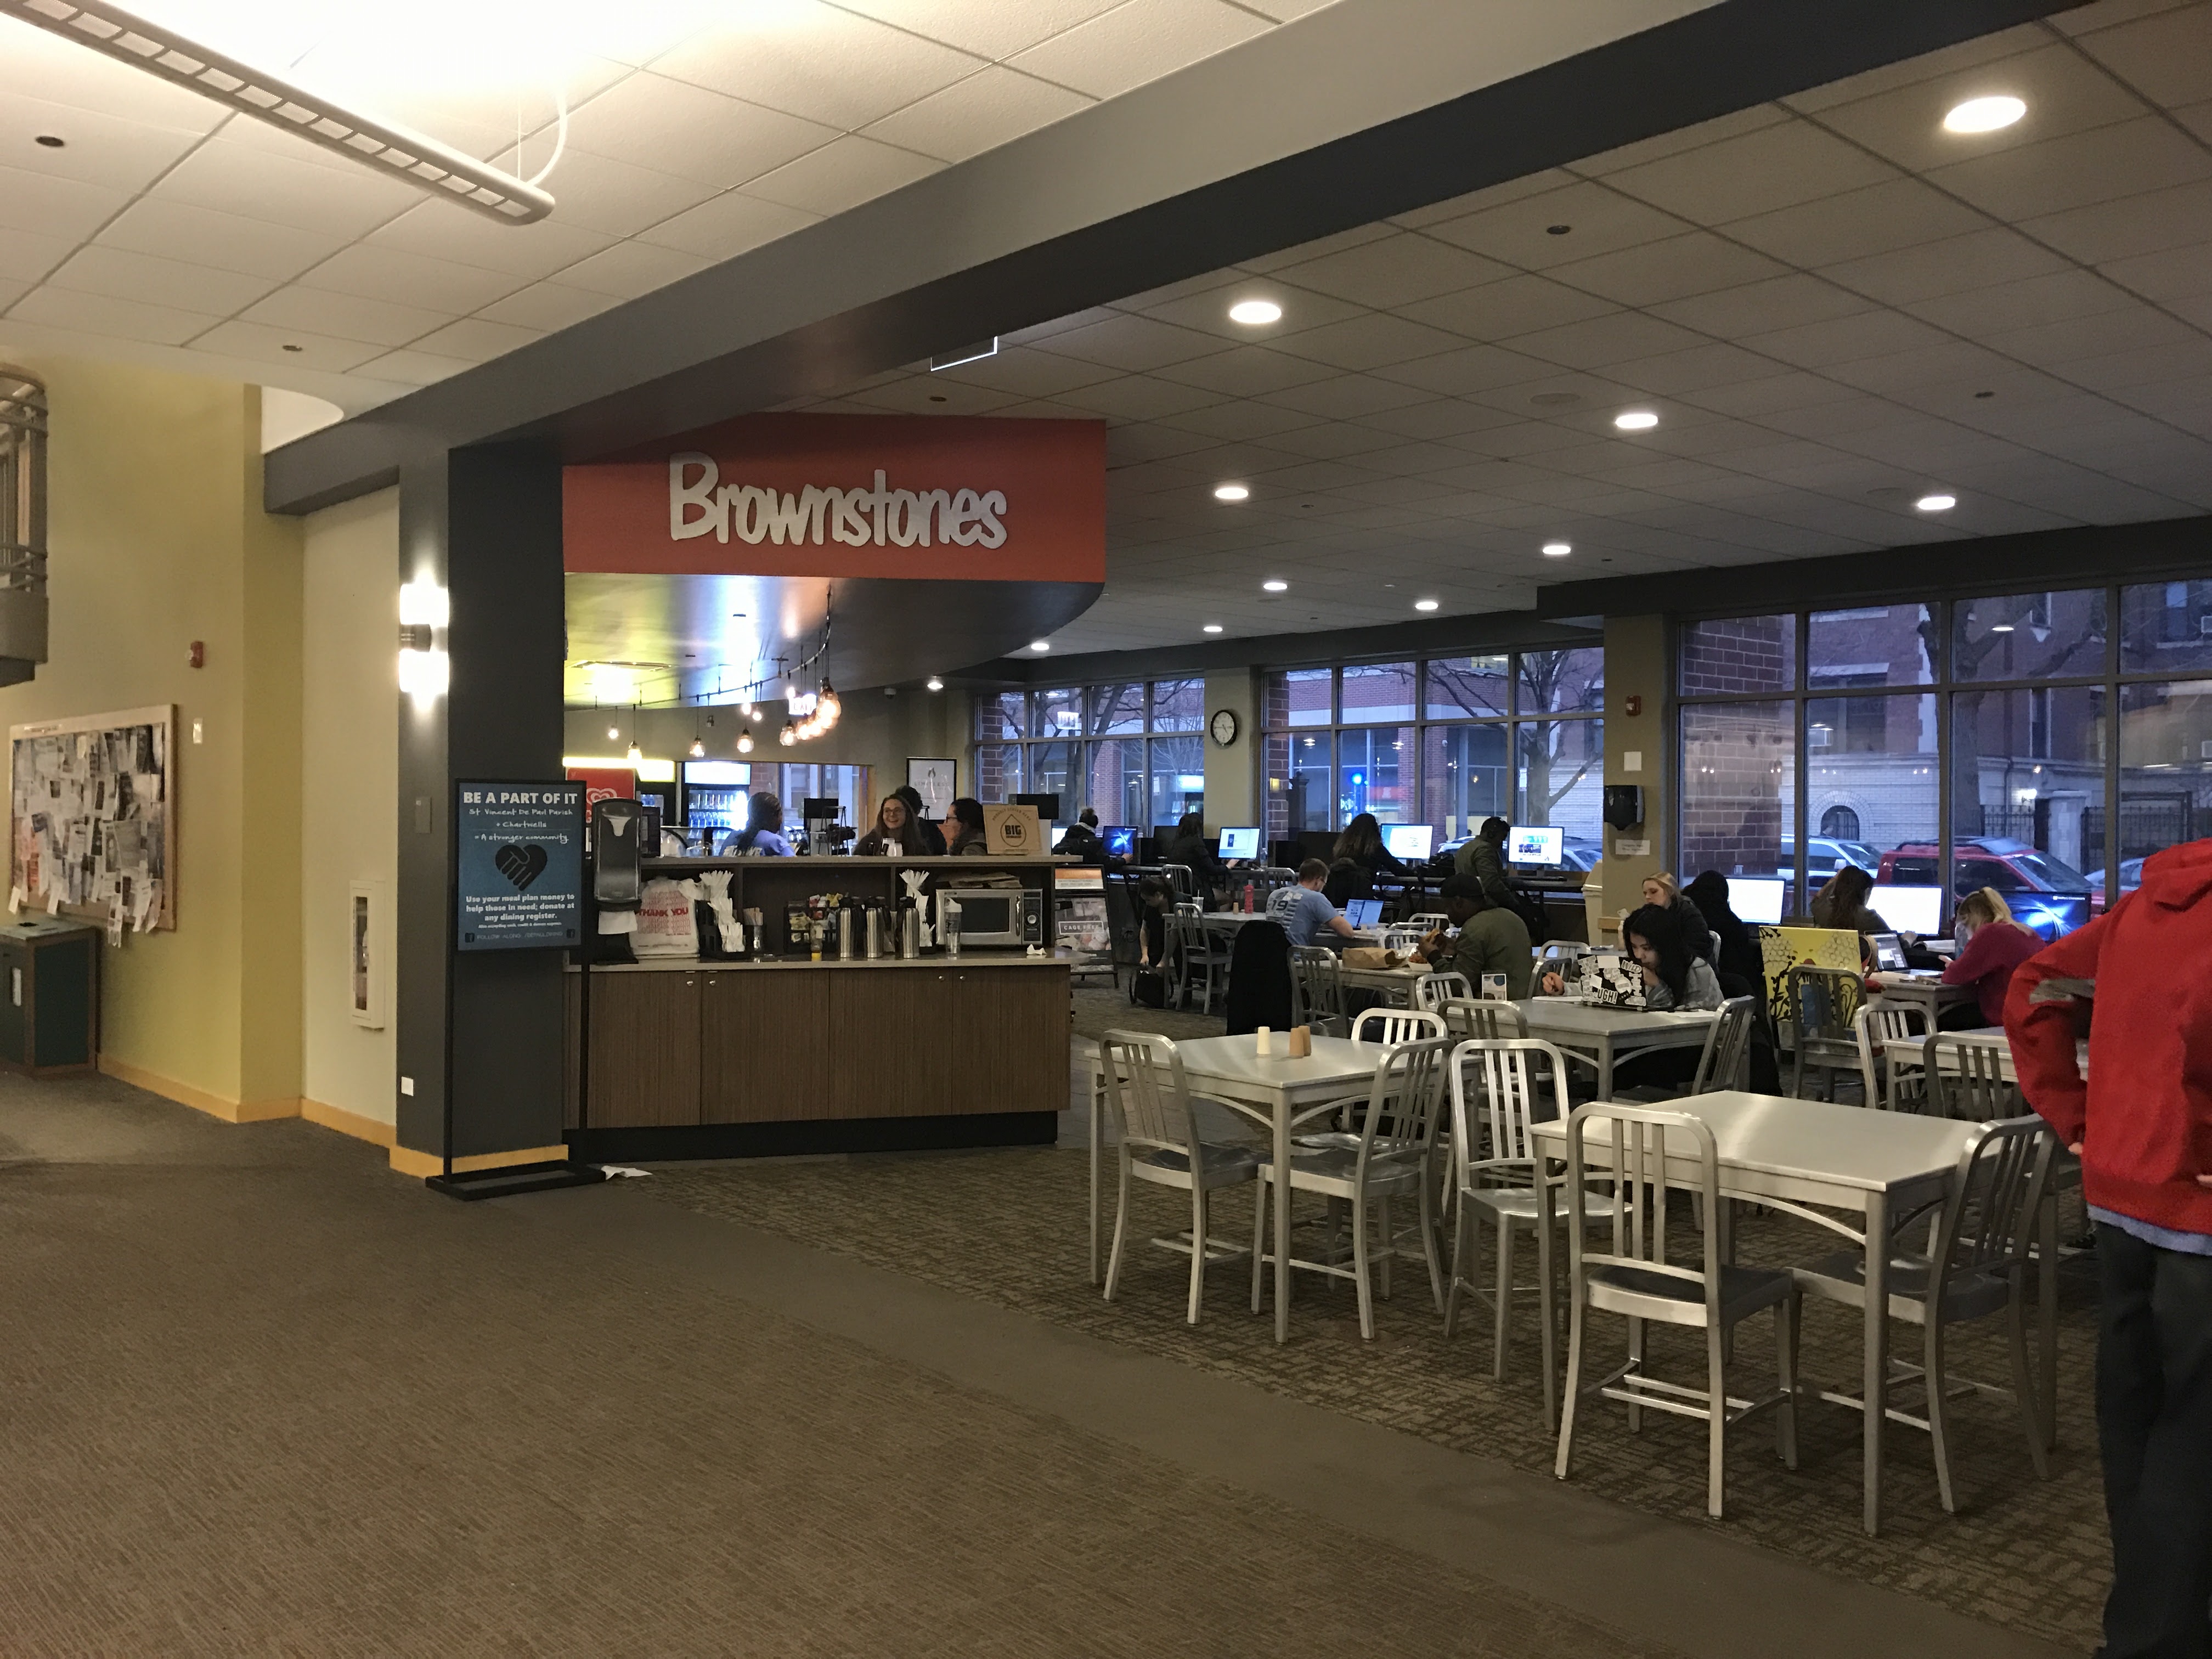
[(91, 816)]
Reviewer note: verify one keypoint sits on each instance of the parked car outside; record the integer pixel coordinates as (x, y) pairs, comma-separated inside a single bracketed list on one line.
[(2045, 893), (1576, 857), (1824, 856)]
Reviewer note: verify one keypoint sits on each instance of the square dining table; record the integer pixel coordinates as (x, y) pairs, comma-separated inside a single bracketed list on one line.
[(1789, 1155), (1275, 1092), (1601, 1033)]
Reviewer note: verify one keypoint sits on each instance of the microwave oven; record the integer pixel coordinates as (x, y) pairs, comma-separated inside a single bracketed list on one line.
[(998, 917)]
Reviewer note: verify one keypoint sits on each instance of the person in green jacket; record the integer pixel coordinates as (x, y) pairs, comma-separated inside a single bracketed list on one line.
[(1491, 939), (1482, 856)]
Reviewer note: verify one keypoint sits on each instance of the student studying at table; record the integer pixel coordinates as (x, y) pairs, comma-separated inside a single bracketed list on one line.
[(1674, 979), (1303, 910), (1991, 944), (1491, 939)]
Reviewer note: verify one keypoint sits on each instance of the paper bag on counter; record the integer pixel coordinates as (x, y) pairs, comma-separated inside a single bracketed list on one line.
[(1367, 956)]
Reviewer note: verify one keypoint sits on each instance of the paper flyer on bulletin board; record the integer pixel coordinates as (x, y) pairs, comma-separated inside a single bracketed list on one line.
[(92, 829)]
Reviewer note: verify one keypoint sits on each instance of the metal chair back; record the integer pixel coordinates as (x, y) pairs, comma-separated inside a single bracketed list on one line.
[(1989, 1220), (1403, 1108), (1822, 1001), (1477, 1019), (1148, 1093), (1499, 1086), (1631, 1176), (1877, 1023), (1727, 1055), (1316, 987), (1390, 1026), (1403, 940), (1966, 1078), (1432, 991), (1180, 878), (1427, 922)]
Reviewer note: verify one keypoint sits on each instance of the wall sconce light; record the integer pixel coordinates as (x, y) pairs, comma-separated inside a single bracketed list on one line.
[(425, 671)]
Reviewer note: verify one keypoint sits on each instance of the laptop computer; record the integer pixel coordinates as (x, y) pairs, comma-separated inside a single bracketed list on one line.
[(1364, 912), (1888, 953)]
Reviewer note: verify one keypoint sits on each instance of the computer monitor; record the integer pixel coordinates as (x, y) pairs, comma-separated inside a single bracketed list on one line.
[(1241, 841), (1410, 843), (1364, 912), (1120, 840), (1525, 846), (1757, 898), (1047, 806), (1910, 909)]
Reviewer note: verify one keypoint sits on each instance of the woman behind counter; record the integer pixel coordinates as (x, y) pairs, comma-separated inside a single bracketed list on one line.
[(762, 835), (898, 832), (963, 828)]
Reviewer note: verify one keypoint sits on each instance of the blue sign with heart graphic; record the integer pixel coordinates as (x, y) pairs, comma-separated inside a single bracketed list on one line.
[(518, 864)]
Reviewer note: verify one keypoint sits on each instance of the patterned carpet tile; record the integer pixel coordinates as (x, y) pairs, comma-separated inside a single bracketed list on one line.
[(1009, 1228)]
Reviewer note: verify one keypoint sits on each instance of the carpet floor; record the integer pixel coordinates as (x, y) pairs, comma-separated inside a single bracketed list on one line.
[(1009, 1227), (263, 1397)]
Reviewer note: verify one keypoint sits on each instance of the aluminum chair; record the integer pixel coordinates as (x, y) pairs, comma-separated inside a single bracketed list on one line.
[(1821, 1002), (1404, 941), (1498, 1087), (1636, 1280), (1392, 1026), (1965, 1078), (1317, 990), (1393, 1158), (1148, 1102), (1432, 991), (1199, 958), (1428, 921), (1882, 1075), (1723, 1061), (1472, 1018), (1978, 1265)]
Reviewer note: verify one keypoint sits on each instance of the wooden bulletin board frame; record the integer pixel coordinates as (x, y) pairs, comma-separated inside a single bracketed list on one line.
[(75, 769)]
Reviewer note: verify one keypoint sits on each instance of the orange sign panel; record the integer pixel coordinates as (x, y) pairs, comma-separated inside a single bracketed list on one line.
[(951, 496)]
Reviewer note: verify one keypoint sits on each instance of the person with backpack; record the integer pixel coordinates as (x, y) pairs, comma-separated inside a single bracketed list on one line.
[(762, 835)]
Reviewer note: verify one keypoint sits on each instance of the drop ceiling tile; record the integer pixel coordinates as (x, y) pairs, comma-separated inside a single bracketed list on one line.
[(25, 257), (1207, 309), (2063, 94), (124, 274), (1151, 442), (1458, 207), (1346, 396), (342, 200), (530, 250), (1758, 308), (2148, 223), (1623, 337), (843, 174), (989, 108), (1138, 344), (988, 28), (1374, 341), (1331, 440), (1471, 369), (1240, 421), (1698, 263), (815, 61), (42, 65), (1502, 310), (1845, 339), (1951, 266), (613, 198), (548, 305), (727, 225), (937, 396), (2034, 302), (1777, 167), (1139, 397), (262, 344), (2171, 274), (478, 339), (1955, 366), (345, 317), (1393, 270), (1137, 42), (2136, 328), (1440, 417), (97, 148), (667, 125), (415, 367), (1596, 220), (1268, 264), (54, 207), (1245, 371), (97, 314), (630, 269), (374, 271), (2167, 56), (1704, 135), (1031, 373), (1698, 369), (2144, 366), (2078, 170), (1984, 51), (1900, 213)]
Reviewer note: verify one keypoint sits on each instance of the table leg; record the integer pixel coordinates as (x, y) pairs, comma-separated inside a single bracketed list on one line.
[(2046, 1297), (1282, 1219), (1097, 1088), (1604, 1066), (1877, 1352), (1548, 1340)]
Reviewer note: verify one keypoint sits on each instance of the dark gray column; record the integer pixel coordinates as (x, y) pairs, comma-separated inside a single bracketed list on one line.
[(483, 1028)]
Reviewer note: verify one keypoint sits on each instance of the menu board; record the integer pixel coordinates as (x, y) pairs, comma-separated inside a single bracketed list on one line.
[(518, 865), (92, 829)]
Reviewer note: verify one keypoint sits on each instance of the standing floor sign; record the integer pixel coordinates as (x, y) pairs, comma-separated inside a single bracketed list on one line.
[(518, 865)]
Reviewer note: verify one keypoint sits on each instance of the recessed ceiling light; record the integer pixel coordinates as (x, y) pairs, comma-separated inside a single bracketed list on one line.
[(937, 397), (1936, 503), (1276, 585), (1255, 313), (1424, 605), (1556, 230), (1983, 114), (295, 348), (1211, 627), (935, 683), (1557, 550), (1040, 645), (1230, 492), (2000, 627), (50, 141), (1636, 420)]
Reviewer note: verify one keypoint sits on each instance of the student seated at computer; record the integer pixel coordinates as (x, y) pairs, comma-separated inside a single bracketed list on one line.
[(1303, 910), (1675, 977), (1482, 855), (1991, 944), (1491, 939), (1082, 841), (1187, 847)]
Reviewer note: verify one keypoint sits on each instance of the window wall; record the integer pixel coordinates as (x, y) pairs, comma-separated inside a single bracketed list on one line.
[(2041, 743), (1134, 751), (1446, 742)]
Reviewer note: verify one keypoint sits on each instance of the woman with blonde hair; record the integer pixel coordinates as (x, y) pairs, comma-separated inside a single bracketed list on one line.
[(1662, 892), (1991, 944)]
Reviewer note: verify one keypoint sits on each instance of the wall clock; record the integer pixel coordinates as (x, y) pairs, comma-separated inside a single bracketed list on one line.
[(1224, 726)]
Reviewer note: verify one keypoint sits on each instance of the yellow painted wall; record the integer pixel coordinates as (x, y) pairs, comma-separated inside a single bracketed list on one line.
[(157, 539)]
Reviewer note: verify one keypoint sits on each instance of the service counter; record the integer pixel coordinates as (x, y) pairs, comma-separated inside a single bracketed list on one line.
[(708, 1059)]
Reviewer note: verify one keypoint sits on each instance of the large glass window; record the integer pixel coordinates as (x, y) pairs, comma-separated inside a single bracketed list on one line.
[(1872, 645), (1003, 714), (1560, 682), (1056, 769), (1873, 782), (2165, 627), (1178, 778), (1113, 710), (2029, 636), (2166, 776), (1120, 773), (1056, 713), (1378, 691), (998, 771), (1466, 777), (1739, 809), (1301, 697), (1374, 774), (1309, 802), (1562, 779), (1467, 687), (1178, 705), (1739, 656), (1116, 786)]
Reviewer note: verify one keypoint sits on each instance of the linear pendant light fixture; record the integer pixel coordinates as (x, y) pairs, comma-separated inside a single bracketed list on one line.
[(421, 161)]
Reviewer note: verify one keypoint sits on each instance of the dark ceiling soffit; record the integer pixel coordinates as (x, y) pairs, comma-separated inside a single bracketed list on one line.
[(592, 390), (2029, 562), (1497, 630)]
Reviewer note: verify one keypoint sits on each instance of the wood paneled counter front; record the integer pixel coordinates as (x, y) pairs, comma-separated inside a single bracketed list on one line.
[(733, 1059)]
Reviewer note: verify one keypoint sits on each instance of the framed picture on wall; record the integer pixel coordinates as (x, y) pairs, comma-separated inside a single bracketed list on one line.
[(366, 919), (937, 782)]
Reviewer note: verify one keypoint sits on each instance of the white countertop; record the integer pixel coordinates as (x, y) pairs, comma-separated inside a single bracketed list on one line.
[(695, 964)]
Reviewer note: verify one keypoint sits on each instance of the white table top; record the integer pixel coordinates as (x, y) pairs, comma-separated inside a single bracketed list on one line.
[(1922, 983), (1815, 1141), (1589, 1020), (1237, 1060)]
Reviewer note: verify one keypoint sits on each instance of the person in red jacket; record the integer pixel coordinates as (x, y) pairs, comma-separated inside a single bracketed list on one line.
[(2142, 1127), (1991, 944)]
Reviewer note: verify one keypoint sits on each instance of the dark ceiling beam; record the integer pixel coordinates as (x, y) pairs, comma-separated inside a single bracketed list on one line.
[(943, 260), (2029, 562)]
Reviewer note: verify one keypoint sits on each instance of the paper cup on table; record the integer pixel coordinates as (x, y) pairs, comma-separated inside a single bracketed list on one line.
[(1267, 1042)]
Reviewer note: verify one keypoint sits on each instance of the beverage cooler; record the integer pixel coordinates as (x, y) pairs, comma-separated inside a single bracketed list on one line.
[(714, 794)]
